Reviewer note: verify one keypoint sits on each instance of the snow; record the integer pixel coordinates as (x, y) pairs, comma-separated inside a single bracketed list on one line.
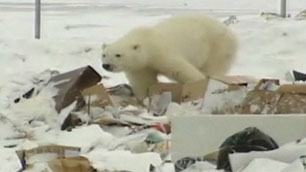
[(72, 35)]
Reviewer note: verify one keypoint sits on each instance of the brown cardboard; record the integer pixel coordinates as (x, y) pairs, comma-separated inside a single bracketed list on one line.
[(236, 80), (181, 93), (261, 102), (101, 96), (287, 99), (60, 151), (193, 91), (174, 88), (293, 88), (70, 84), (292, 103), (73, 164)]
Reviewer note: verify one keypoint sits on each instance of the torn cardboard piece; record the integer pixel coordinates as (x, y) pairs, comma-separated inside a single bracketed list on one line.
[(236, 81), (51, 152), (293, 88), (73, 164), (223, 94), (59, 158), (195, 93), (97, 96), (181, 93), (70, 85)]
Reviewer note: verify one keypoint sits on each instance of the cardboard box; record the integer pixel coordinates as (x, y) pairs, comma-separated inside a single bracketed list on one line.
[(70, 85), (196, 90), (268, 97), (198, 135), (181, 92)]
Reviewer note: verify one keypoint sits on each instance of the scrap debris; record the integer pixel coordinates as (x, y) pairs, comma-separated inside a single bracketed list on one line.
[(116, 110)]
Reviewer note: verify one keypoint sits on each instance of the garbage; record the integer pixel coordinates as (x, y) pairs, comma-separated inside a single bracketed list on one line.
[(122, 95), (58, 158), (181, 93), (285, 154), (70, 85), (158, 104), (249, 139), (301, 15), (299, 76), (268, 97)]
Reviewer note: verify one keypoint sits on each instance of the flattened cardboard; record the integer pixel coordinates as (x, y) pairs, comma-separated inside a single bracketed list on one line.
[(181, 93), (193, 91), (102, 97), (174, 88), (293, 88), (71, 83), (261, 102), (236, 80), (73, 164), (292, 103), (60, 151)]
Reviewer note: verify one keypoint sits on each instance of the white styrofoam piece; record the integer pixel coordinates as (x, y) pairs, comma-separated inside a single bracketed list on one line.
[(197, 135)]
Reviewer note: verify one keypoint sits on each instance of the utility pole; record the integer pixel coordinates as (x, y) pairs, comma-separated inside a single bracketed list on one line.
[(37, 18), (283, 9)]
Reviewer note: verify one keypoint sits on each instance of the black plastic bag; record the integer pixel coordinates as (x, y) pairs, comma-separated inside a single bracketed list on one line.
[(247, 140)]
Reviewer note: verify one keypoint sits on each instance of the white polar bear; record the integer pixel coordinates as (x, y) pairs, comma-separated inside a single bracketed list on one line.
[(184, 48)]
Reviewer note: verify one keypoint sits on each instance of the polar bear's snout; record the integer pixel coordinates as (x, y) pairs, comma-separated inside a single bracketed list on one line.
[(108, 67)]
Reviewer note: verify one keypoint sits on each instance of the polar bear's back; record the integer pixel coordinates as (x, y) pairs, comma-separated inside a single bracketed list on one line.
[(197, 38)]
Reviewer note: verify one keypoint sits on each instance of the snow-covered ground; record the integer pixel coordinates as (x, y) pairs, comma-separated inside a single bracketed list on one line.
[(73, 32)]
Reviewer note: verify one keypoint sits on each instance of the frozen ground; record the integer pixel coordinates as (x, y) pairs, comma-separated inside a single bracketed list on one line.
[(73, 32)]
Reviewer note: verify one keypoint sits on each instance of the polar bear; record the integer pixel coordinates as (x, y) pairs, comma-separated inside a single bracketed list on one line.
[(184, 48)]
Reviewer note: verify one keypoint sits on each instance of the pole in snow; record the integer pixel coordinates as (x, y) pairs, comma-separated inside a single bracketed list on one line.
[(37, 18), (283, 9)]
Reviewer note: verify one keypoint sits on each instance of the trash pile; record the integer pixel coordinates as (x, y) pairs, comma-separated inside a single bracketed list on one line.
[(116, 126)]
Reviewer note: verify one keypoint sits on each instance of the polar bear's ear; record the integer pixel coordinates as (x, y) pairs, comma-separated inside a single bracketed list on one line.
[(136, 47), (104, 46)]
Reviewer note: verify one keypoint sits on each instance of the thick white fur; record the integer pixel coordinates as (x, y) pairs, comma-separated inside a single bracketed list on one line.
[(184, 48)]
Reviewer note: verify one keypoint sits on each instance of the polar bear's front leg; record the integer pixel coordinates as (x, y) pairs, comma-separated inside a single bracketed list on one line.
[(180, 70), (141, 81)]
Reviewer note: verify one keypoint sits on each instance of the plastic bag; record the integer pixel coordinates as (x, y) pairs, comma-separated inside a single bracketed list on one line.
[(249, 139)]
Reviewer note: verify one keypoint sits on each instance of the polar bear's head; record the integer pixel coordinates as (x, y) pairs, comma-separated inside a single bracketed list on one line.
[(127, 54)]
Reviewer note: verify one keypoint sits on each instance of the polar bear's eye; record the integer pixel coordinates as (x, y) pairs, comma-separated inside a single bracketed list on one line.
[(103, 55), (118, 55)]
